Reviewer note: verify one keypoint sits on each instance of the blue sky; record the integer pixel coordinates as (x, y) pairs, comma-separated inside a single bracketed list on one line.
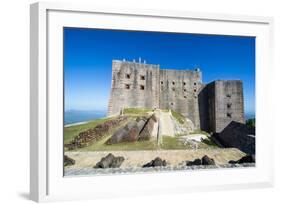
[(88, 55)]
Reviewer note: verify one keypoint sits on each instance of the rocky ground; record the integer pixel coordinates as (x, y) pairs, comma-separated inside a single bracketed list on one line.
[(139, 158), (141, 142), (100, 163)]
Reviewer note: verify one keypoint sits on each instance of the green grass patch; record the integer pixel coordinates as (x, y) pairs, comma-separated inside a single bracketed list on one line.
[(72, 131), (210, 142), (200, 132), (125, 146), (180, 118), (136, 111), (174, 143)]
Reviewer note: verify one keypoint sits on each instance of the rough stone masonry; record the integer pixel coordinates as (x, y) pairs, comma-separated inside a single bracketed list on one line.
[(211, 107)]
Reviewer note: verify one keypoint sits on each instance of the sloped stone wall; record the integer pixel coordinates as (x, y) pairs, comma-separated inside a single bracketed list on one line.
[(240, 136)]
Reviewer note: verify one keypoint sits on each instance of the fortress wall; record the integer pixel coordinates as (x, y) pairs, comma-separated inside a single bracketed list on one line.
[(227, 104), (133, 85), (210, 107), (179, 91), (203, 103)]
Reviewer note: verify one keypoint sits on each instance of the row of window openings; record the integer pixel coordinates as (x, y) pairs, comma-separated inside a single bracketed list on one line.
[(142, 77), (128, 76), (228, 105), (173, 83), (227, 114), (127, 86), (173, 89)]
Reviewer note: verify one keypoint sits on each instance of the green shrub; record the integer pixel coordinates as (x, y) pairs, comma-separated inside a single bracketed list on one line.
[(251, 122)]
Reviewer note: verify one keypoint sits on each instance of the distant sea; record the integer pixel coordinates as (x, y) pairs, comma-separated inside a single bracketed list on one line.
[(75, 116), (250, 116)]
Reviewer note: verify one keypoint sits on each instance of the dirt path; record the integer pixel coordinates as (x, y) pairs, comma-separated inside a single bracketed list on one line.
[(138, 158), (166, 124)]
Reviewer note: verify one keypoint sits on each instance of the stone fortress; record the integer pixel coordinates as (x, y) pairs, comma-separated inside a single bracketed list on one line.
[(211, 106)]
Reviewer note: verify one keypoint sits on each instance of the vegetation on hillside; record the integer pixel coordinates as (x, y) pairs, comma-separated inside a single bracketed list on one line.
[(251, 122), (180, 118), (136, 111), (72, 131), (168, 142)]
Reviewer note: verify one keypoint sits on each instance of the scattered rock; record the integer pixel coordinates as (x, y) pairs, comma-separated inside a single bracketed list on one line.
[(117, 162), (157, 162), (245, 159), (208, 161), (204, 161), (110, 161), (67, 161), (196, 162)]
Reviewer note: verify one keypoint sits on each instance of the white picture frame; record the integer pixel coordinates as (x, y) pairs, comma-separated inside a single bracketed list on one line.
[(46, 143)]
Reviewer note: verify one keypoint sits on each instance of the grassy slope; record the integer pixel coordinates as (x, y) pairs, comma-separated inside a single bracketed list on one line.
[(125, 146), (180, 118), (137, 111), (72, 131), (168, 142), (174, 143)]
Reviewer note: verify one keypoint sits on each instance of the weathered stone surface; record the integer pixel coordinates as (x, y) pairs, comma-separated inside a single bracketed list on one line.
[(147, 130), (204, 161), (94, 134), (67, 161), (245, 159), (195, 162), (129, 133), (240, 136), (208, 161), (110, 161), (210, 107), (157, 162)]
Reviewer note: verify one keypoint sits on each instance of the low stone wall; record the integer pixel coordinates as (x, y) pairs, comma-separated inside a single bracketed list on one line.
[(240, 136), (134, 170)]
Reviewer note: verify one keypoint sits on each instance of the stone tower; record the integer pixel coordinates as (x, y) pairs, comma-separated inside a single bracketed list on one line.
[(133, 85), (210, 107)]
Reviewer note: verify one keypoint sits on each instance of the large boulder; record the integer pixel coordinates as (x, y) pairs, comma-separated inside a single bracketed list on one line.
[(147, 130), (128, 133), (208, 161), (157, 162), (110, 161)]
